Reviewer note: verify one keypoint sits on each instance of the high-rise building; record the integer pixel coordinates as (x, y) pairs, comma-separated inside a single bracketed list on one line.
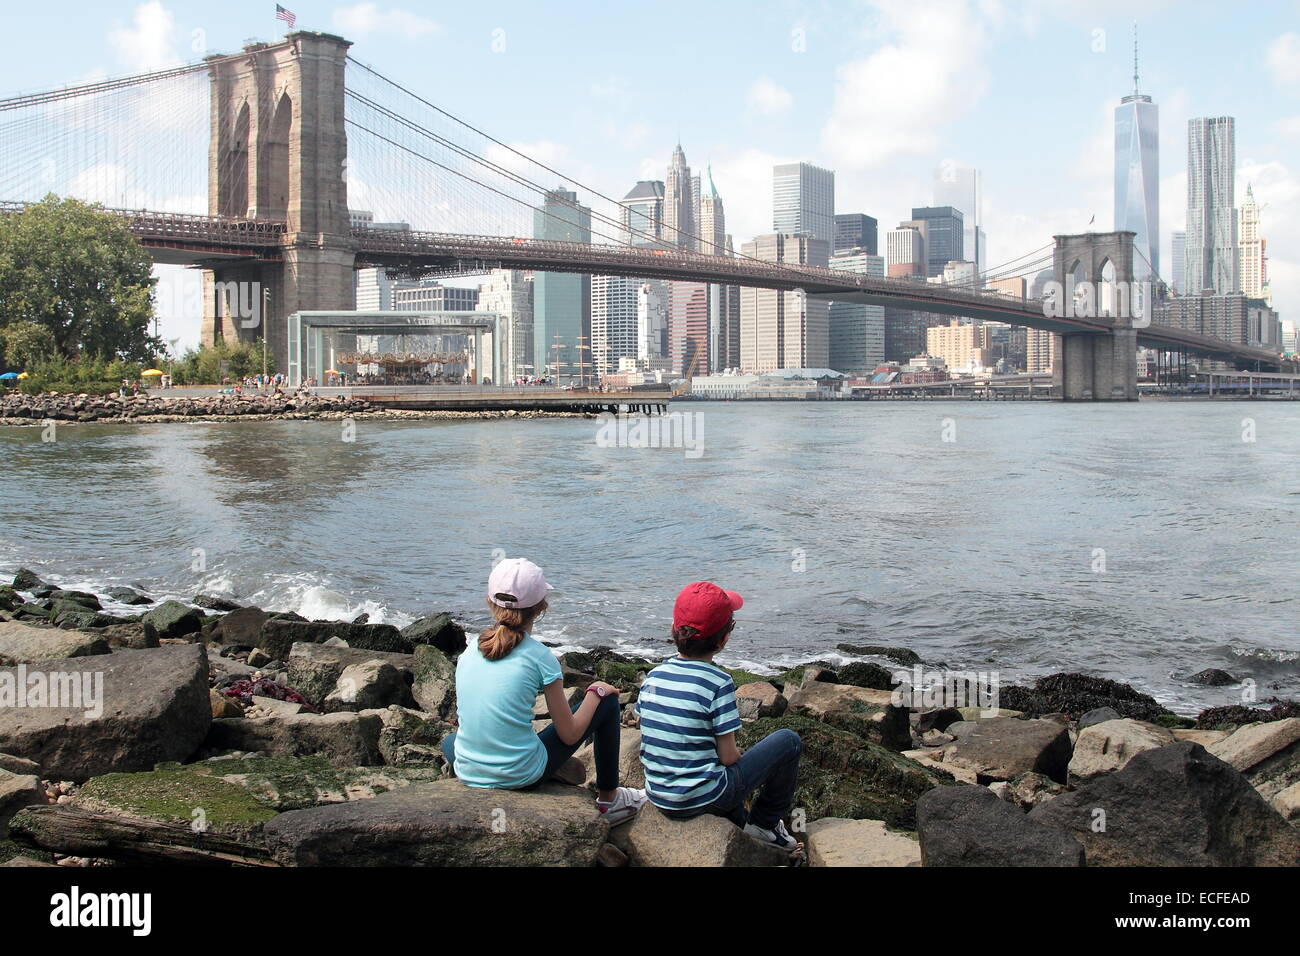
[(1254, 251), (803, 201), (944, 236), (784, 329), (1212, 258), (1178, 269), (680, 194), (857, 330), (964, 347), (854, 230), (688, 327), (652, 326), (712, 221), (613, 321), (561, 301), (962, 189), (1137, 175), (1234, 317), (1040, 350), (509, 293), (905, 251), (643, 213), (427, 295), (374, 290)]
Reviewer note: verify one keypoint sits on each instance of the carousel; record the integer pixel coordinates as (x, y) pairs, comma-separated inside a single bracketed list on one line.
[(404, 368)]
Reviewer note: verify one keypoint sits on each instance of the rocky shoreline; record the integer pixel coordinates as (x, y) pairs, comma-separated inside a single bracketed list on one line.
[(153, 409), (226, 734)]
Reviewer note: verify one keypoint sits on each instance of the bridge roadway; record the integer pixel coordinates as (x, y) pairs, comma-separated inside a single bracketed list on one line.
[(185, 239)]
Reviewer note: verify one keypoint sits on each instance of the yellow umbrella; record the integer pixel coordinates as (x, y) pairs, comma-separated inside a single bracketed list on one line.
[(151, 371), (331, 371), (22, 374)]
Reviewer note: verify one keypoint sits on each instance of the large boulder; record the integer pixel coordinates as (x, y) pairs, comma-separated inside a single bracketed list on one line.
[(844, 775), (445, 824), (759, 699), (435, 681), (17, 791), (440, 630), (970, 826), (279, 634), (1001, 748), (1268, 754), (173, 619), (1175, 806), (1109, 745), (834, 842), (1076, 694), (314, 669), (653, 839), (368, 685), (240, 628), (631, 772), (27, 643), (345, 739), (295, 783), (143, 707), (869, 713), (26, 580), (411, 738)]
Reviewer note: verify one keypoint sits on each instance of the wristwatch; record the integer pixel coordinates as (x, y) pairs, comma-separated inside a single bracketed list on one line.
[(598, 691)]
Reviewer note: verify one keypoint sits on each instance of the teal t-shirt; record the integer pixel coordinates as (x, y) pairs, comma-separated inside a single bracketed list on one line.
[(495, 743)]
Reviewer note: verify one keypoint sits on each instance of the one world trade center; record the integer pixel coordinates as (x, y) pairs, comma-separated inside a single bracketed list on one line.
[(1137, 176)]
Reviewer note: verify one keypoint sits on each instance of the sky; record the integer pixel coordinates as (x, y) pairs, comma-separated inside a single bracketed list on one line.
[(881, 91)]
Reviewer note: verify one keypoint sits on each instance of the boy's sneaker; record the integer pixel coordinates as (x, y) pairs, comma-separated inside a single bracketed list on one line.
[(626, 804), (778, 836)]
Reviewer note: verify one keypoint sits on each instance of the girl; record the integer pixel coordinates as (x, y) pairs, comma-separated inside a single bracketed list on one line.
[(497, 682)]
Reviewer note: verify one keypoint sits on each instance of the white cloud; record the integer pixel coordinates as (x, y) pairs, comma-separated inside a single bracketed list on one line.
[(149, 43), (896, 100), (767, 98), (365, 19), (1283, 58)]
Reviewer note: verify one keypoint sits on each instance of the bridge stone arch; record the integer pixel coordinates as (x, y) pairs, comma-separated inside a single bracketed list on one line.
[(277, 152), (1095, 271)]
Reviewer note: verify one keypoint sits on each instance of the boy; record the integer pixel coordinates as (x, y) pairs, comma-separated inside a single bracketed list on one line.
[(689, 720)]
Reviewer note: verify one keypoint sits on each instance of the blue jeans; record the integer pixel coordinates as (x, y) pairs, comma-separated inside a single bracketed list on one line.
[(603, 731), (772, 767)]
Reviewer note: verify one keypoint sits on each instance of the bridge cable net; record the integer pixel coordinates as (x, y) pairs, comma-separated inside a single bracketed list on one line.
[(138, 142), (413, 162)]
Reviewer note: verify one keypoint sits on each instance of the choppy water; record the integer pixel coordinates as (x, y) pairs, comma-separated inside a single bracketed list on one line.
[(837, 522)]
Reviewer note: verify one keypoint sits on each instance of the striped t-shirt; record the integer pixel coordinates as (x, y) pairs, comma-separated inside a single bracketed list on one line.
[(683, 706)]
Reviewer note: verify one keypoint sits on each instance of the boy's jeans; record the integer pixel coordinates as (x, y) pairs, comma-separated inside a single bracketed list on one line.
[(772, 767)]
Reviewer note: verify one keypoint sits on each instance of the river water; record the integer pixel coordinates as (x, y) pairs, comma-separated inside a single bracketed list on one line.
[(1141, 542)]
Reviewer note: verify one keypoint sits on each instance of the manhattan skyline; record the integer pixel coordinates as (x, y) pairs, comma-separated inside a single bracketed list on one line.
[(1023, 93)]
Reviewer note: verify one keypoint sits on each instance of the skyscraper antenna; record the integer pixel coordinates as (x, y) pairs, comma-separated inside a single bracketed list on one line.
[(1135, 57)]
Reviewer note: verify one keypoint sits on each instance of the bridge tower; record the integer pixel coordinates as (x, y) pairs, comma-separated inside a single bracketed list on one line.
[(278, 153), (1097, 366)]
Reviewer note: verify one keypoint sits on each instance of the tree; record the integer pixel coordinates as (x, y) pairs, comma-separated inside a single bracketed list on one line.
[(78, 273), (25, 343)]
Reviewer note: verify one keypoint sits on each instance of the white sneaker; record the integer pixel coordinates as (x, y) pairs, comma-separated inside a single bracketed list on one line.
[(626, 804), (778, 836)]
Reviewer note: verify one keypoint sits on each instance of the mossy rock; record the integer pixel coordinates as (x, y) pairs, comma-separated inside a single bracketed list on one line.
[(1175, 721), (625, 675), (295, 783), (10, 849), (9, 598), (174, 794), (745, 677), (843, 775), (866, 674)]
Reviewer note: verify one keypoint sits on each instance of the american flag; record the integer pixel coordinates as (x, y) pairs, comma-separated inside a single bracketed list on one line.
[(287, 16)]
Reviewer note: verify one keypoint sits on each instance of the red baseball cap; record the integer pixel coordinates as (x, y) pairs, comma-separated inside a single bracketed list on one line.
[(705, 607)]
